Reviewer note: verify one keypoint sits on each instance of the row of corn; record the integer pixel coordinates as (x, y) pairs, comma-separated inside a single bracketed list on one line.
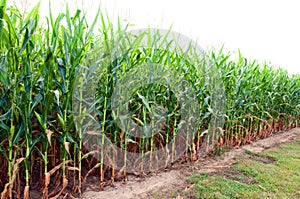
[(59, 123)]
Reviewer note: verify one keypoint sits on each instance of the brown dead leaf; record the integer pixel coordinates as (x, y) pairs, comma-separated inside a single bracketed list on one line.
[(58, 166), (5, 192), (26, 192), (47, 179), (65, 184), (49, 134), (73, 168), (67, 144)]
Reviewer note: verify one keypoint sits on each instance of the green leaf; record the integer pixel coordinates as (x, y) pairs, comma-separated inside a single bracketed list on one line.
[(3, 3), (4, 78), (4, 126), (33, 13), (39, 118), (90, 31), (6, 116), (19, 134), (11, 29), (37, 99), (145, 102), (25, 42), (60, 119)]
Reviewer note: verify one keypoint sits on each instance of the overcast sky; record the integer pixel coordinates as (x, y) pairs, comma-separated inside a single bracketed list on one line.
[(267, 30)]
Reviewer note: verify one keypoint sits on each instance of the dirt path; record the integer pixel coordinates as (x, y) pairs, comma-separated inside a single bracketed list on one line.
[(168, 180)]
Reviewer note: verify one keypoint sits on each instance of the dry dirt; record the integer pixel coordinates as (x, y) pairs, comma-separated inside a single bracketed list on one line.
[(168, 180)]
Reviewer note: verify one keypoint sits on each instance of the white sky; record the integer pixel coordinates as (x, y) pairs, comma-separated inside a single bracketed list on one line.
[(267, 30)]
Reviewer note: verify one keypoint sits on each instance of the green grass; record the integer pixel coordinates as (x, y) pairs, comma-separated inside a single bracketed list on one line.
[(278, 180)]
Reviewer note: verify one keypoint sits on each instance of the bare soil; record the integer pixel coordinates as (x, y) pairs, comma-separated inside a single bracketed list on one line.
[(174, 178)]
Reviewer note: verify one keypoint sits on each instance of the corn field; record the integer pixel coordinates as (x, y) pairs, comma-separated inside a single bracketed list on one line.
[(44, 150)]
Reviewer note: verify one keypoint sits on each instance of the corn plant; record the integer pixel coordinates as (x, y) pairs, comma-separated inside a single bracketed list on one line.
[(51, 145)]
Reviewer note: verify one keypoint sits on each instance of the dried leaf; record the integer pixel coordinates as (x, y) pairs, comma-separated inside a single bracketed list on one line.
[(16, 168), (5, 192), (90, 153), (73, 168), (49, 134), (65, 184), (47, 179), (130, 141), (67, 147), (194, 152), (58, 167), (26, 192), (90, 171), (93, 132)]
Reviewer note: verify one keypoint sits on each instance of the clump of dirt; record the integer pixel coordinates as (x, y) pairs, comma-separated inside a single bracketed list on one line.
[(234, 175), (166, 182), (263, 159)]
